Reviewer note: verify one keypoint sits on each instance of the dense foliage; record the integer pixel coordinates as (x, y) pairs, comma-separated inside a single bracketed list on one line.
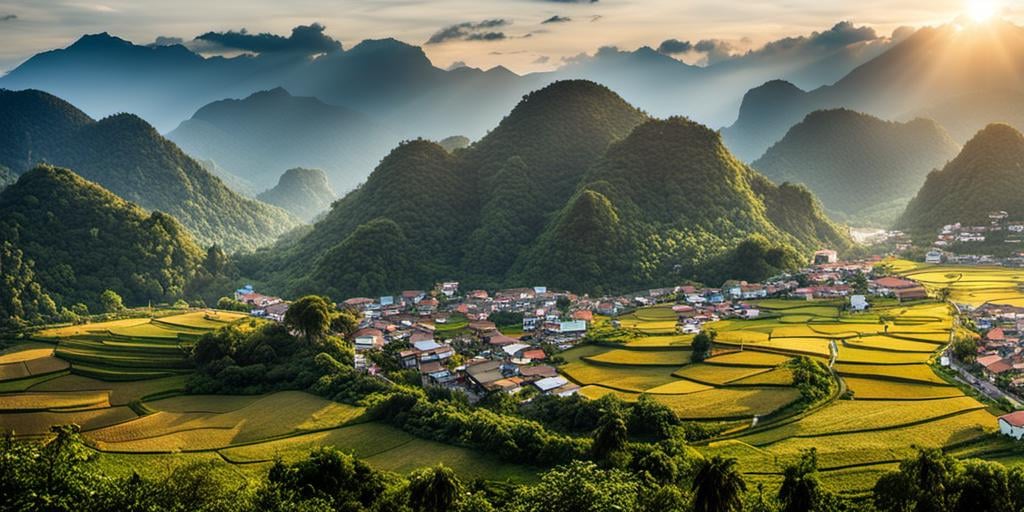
[(303, 192), (74, 240), (987, 175), (856, 163), (575, 188), (127, 156)]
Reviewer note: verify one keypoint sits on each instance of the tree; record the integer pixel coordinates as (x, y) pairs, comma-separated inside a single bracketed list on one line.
[(434, 489), (801, 490), (925, 483), (111, 301), (311, 316), (345, 323), (718, 486), (984, 485), (965, 348), (702, 344), (580, 487), (610, 437), (563, 304)]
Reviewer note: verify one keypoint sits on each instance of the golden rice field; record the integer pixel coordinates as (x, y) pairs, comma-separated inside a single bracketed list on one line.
[(642, 357), (895, 400)]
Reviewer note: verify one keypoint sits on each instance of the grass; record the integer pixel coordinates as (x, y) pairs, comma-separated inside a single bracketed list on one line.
[(642, 357)]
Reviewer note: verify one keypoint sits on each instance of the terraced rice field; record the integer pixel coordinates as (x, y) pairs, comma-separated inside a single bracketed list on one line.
[(973, 286), (896, 401)]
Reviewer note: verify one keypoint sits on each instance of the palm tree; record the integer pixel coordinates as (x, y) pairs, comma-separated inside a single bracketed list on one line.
[(434, 489), (718, 486)]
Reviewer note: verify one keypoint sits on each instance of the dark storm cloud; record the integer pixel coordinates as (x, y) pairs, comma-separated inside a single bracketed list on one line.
[(843, 33), (556, 19), (675, 46), (470, 31), (307, 39)]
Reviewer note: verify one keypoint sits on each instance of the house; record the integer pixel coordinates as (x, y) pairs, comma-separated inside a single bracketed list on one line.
[(749, 313), (498, 339), (368, 339), (584, 315), (449, 288), (858, 303), (276, 311), (534, 355), (541, 371), (994, 365), (514, 348), (550, 383), (825, 256), (933, 257), (484, 373), (571, 326), (427, 306), (1012, 424)]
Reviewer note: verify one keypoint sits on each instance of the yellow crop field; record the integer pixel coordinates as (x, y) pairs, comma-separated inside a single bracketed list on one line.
[(44, 365), (121, 393), (169, 429), (625, 378), (890, 343), (35, 401), (642, 357), (681, 340), (914, 373), (861, 416), (11, 371), (857, 356), (741, 337), (26, 352), (749, 358), (39, 423), (716, 374), (877, 389), (808, 346), (83, 329), (679, 387), (776, 377), (729, 402)]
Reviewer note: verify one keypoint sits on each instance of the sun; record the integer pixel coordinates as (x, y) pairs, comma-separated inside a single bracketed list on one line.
[(981, 11)]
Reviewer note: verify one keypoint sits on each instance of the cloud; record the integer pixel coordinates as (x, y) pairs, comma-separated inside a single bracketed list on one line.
[(843, 33), (902, 33), (543, 59), (167, 41), (595, 17), (305, 39), (572, 1), (556, 19), (675, 46), (715, 50), (469, 31), (456, 65), (8, 17)]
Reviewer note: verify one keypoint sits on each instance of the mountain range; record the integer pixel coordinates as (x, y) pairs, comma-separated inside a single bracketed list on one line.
[(575, 188), (306, 193), (127, 156), (258, 137), (862, 168), (962, 75)]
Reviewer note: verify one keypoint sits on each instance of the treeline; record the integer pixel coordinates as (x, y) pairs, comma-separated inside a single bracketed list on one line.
[(62, 474)]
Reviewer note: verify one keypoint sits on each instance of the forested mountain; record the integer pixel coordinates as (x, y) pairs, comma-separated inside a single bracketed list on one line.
[(861, 167), (539, 188), (65, 240), (254, 138), (127, 156), (961, 73), (6, 177), (305, 193), (662, 203), (987, 175)]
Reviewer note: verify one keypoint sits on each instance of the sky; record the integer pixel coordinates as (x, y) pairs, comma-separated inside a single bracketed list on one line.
[(479, 33)]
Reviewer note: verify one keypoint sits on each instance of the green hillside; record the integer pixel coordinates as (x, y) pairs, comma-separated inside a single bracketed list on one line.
[(987, 175), (127, 156), (66, 240), (303, 192), (663, 203), (542, 198), (856, 163)]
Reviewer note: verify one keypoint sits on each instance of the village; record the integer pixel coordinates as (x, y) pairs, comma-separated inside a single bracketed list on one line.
[(508, 340)]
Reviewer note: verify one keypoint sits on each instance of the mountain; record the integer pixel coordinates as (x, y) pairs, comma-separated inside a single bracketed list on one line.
[(305, 193), (659, 205), (127, 156), (943, 72), (254, 138), (65, 240), (858, 165), (6, 177), (450, 144), (575, 188), (987, 175)]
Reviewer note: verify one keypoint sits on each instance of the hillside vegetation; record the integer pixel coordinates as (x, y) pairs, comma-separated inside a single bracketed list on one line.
[(128, 157), (305, 193), (66, 240), (575, 188), (856, 163), (987, 175)]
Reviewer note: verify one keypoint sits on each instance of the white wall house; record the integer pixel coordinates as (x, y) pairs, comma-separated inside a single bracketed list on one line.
[(1012, 424)]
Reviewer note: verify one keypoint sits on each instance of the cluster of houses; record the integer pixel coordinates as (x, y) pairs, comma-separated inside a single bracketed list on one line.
[(952, 243), (264, 306), (1000, 350)]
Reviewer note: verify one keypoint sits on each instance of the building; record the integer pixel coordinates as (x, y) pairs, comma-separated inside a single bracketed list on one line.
[(1012, 424), (858, 303), (933, 257), (368, 339)]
